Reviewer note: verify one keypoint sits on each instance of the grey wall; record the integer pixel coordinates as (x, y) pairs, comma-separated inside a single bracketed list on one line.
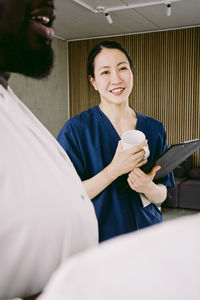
[(47, 98)]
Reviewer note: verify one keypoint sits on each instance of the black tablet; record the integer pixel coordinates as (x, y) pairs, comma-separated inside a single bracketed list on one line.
[(173, 157)]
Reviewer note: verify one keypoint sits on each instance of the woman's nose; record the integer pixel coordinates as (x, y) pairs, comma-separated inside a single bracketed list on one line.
[(115, 77)]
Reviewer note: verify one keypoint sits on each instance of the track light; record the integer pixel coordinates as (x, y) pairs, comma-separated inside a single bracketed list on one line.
[(169, 9), (107, 10), (102, 9), (108, 17)]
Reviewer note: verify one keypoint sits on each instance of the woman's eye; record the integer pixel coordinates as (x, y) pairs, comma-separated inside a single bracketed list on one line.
[(123, 68), (105, 73)]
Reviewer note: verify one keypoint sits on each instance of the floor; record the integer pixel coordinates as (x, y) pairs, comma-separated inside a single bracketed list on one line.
[(172, 213)]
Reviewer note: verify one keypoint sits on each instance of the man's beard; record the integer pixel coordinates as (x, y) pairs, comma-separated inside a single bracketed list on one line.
[(21, 58), (35, 63)]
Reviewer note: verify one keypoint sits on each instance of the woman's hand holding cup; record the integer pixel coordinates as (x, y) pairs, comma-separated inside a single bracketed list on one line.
[(124, 161), (132, 138)]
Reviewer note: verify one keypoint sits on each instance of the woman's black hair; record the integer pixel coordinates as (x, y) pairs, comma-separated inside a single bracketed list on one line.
[(98, 48)]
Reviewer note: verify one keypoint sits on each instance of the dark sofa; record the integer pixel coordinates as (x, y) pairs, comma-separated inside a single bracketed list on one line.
[(186, 192)]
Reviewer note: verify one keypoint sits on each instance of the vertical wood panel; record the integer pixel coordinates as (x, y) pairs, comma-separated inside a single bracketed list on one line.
[(166, 84)]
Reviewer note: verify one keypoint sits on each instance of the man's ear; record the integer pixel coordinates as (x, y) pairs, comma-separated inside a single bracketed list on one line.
[(93, 82)]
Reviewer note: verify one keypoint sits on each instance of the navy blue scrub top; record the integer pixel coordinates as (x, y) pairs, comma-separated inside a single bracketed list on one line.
[(90, 140)]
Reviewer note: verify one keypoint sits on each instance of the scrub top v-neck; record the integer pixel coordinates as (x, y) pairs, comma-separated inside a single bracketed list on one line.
[(91, 140)]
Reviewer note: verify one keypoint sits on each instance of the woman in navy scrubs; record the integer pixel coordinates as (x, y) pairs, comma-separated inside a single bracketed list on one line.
[(92, 141)]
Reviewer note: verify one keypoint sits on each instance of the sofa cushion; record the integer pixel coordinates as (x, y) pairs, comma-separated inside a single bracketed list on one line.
[(189, 192), (194, 173)]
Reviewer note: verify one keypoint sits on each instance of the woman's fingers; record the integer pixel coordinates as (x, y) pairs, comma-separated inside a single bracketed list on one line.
[(136, 179), (125, 161), (139, 181), (137, 148), (153, 172)]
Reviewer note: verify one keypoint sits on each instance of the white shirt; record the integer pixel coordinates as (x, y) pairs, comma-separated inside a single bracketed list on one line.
[(45, 213), (160, 262)]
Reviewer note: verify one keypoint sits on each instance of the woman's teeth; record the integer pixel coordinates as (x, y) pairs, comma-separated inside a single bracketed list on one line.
[(115, 91)]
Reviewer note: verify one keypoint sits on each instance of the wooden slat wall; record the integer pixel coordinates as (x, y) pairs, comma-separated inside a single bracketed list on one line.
[(167, 80)]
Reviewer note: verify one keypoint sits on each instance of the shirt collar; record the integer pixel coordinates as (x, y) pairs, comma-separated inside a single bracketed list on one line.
[(4, 77)]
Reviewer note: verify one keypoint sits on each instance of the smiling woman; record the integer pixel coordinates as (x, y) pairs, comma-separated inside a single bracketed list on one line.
[(92, 139)]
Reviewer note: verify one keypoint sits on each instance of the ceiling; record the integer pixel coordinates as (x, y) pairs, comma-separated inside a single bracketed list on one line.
[(76, 22)]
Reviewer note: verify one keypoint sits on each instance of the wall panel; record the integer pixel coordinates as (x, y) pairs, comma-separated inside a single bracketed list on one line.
[(166, 83)]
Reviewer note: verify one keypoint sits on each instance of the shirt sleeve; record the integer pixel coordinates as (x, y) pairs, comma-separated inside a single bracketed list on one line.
[(69, 140)]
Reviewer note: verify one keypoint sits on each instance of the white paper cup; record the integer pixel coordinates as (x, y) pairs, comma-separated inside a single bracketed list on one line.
[(132, 138)]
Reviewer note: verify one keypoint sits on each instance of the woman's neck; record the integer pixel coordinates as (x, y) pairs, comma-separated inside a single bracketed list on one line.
[(114, 111), (4, 77), (121, 116)]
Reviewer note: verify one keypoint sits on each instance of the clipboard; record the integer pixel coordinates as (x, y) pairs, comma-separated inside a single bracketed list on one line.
[(173, 157)]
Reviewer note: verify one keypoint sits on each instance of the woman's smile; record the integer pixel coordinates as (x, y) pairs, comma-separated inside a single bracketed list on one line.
[(117, 91)]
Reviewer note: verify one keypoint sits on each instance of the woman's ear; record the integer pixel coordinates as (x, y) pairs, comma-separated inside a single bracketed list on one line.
[(93, 82)]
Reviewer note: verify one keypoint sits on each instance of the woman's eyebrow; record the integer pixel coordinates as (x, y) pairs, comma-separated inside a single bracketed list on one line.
[(103, 67), (123, 62)]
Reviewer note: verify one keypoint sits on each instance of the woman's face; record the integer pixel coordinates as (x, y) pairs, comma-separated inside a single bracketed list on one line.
[(113, 76)]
